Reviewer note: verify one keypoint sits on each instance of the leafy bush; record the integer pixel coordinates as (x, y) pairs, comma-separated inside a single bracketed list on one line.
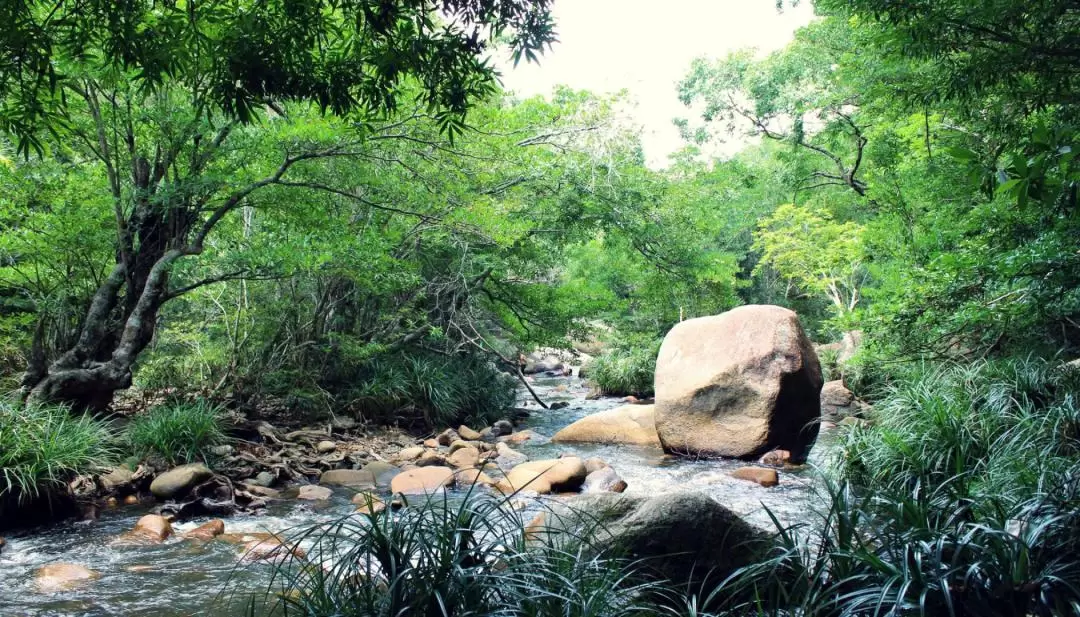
[(43, 447), (626, 370), (961, 501), (178, 431), (430, 390), (447, 558)]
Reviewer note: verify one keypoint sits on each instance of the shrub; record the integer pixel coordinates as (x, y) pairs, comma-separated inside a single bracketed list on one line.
[(178, 431), (431, 390), (447, 558), (43, 447), (626, 370)]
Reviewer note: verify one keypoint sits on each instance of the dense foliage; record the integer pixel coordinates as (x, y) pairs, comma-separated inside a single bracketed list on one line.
[(178, 431)]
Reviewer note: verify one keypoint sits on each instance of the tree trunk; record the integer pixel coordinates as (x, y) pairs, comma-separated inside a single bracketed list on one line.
[(116, 329)]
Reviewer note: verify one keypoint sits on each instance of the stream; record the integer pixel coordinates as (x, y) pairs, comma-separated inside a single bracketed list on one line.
[(181, 578)]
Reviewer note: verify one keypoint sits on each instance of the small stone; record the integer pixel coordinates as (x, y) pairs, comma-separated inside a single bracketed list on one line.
[(313, 492), (325, 447), (558, 405), (431, 443), (603, 480), (502, 427), (138, 568), (112, 502), (57, 577), (410, 454), (519, 437), (352, 478), (447, 437), (467, 477), (131, 500), (150, 529), (463, 458), (368, 503), (430, 458), (778, 458), (222, 450), (468, 434), (764, 476)]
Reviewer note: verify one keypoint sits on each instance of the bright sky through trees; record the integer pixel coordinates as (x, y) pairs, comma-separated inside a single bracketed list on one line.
[(645, 47)]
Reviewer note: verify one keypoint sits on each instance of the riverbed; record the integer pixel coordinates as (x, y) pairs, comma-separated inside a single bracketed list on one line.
[(182, 578)]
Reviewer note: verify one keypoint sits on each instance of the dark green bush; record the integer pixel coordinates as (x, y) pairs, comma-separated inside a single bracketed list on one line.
[(179, 431), (431, 390), (627, 369), (962, 500)]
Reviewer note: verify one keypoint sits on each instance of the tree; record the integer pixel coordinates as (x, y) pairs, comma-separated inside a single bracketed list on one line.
[(162, 104), (815, 253)]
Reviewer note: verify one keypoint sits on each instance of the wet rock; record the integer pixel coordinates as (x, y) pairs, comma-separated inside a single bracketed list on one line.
[(207, 531), (777, 458), (520, 437), (537, 362), (467, 477), (465, 457), (508, 458), (683, 535), (423, 480), (629, 424), (431, 443), (57, 577), (595, 463), (738, 385), (368, 503), (764, 476), (179, 480), (468, 434), (131, 500), (325, 447), (558, 405), (214, 497), (459, 444), (261, 491), (447, 437), (314, 492), (502, 427), (545, 476), (271, 549), (150, 529), (603, 480)]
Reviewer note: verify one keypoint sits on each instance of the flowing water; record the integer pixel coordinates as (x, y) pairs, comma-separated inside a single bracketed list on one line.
[(181, 578)]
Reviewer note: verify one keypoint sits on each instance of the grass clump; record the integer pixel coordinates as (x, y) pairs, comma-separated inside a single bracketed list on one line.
[(43, 447), (626, 370), (448, 558), (178, 431)]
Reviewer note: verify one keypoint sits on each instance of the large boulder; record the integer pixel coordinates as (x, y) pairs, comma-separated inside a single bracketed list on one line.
[(630, 424), (179, 480), (738, 385), (678, 536)]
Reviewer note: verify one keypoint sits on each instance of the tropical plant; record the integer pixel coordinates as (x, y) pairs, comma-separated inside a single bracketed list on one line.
[(43, 447), (179, 431), (626, 369)]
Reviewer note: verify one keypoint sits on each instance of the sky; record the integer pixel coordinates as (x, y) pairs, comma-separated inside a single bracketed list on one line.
[(645, 48)]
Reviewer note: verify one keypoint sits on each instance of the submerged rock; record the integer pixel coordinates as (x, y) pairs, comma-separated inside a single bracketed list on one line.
[(738, 385), (150, 529), (179, 480), (207, 531), (57, 577), (629, 424), (271, 549), (603, 480), (765, 476)]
